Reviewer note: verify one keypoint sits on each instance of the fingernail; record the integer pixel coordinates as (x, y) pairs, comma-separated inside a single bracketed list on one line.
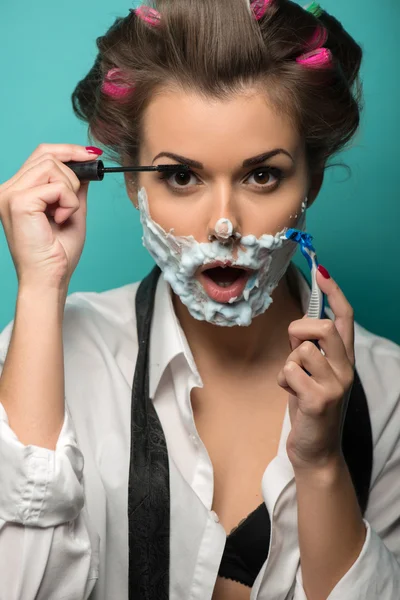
[(324, 272), (94, 150)]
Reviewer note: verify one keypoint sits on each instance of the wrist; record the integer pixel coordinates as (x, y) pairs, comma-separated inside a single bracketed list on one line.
[(42, 297), (322, 475)]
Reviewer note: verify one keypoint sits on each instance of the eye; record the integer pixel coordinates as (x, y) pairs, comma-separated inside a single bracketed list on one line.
[(181, 180), (265, 177)]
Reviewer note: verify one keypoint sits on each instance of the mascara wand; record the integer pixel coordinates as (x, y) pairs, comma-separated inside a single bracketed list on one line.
[(94, 170)]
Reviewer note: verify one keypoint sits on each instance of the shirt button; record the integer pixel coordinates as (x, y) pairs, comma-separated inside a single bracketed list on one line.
[(215, 516)]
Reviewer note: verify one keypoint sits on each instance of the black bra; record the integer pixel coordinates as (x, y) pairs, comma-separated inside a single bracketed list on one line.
[(246, 548)]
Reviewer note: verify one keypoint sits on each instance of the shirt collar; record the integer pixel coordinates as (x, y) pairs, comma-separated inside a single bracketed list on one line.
[(167, 339)]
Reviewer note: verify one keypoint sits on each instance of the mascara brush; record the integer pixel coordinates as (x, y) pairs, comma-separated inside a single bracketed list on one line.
[(94, 170)]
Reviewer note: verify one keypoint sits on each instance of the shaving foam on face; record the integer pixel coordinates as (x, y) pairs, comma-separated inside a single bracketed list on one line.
[(223, 229), (179, 257)]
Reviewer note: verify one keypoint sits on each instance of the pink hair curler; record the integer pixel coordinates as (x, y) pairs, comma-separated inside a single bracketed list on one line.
[(113, 85), (149, 15), (260, 7), (318, 39), (321, 57)]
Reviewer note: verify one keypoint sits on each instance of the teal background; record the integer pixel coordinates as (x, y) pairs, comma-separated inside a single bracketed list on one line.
[(46, 47)]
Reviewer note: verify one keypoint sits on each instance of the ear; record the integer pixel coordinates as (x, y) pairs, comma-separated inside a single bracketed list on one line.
[(131, 189), (316, 181)]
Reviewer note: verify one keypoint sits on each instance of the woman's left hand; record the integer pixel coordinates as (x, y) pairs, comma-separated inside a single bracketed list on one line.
[(317, 402)]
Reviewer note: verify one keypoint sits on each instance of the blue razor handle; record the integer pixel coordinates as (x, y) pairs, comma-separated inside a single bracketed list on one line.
[(316, 306)]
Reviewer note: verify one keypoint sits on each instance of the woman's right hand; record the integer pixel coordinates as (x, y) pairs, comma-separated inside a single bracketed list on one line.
[(43, 211)]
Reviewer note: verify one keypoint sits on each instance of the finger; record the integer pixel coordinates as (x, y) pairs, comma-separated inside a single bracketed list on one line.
[(309, 357), (281, 379), (303, 387), (49, 194), (46, 170), (342, 309), (82, 196), (327, 335), (63, 152), (294, 342), (63, 167)]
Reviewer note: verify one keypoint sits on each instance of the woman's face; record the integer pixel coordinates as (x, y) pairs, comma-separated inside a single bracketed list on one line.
[(248, 164)]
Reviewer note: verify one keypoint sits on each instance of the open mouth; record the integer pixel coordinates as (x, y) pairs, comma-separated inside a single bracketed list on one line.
[(223, 283)]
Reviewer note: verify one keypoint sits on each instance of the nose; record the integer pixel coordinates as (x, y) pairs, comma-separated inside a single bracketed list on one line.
[(224, 232), (224, 222)]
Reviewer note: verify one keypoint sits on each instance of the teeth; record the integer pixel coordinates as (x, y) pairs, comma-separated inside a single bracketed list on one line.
[(224, 284)]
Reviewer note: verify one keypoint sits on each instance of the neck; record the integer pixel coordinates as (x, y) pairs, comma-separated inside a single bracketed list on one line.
[(265, 339)]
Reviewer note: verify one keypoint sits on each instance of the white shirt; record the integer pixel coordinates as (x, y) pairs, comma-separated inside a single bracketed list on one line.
[(72, 502)]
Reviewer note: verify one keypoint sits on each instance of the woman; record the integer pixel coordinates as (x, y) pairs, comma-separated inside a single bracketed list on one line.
[(228, 420)]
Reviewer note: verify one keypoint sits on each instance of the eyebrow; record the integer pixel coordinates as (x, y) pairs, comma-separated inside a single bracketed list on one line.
[(249, 162)]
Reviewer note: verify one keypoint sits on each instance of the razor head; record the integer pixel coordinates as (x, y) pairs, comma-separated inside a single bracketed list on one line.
[(301, 237), (305, 242)]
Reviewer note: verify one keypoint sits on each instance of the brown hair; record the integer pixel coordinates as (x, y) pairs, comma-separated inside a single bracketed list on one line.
[(216, 47)]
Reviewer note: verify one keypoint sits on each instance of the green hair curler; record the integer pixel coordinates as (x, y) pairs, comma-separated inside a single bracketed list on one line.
[(314, 8)]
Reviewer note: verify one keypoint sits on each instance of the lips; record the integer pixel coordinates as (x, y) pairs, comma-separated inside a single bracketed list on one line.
[(223, 282)]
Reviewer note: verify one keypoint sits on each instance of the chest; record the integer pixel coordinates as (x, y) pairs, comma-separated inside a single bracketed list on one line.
[(241, 430)]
